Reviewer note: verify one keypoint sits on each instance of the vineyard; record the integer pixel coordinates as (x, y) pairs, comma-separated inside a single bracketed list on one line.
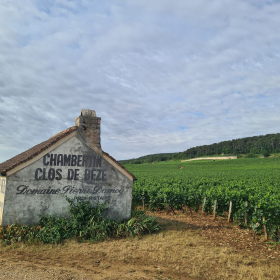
[(248, 189)]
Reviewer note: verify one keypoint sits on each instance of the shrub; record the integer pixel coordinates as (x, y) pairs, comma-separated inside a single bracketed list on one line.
[(266, 154), (85, 223), (251, 156)]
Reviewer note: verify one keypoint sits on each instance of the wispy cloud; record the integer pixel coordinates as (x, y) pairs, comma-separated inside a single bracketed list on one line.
[(150, 69)]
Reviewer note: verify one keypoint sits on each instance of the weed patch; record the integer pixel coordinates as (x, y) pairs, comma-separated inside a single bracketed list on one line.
[(85, 222)]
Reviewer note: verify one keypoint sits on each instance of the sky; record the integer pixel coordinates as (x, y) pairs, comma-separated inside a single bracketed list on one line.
[(164, 76)]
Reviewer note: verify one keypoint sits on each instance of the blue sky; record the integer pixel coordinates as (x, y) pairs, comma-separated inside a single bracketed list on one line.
[(163, 75)]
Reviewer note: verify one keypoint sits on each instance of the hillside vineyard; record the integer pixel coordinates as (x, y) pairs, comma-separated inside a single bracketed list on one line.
[(263, 144), (252, 185)]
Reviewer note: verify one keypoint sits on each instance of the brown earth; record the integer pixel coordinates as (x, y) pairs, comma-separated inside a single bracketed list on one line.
[(187, 248)]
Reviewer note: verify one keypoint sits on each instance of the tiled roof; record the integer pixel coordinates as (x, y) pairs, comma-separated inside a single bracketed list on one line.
[(134, 178), (34, 151)]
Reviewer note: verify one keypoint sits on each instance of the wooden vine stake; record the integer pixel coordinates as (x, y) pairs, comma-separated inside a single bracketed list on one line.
[(203, 205), (254, 236), (229, 211), (143, 204), (264, 229), (215, 207), (246, 214)]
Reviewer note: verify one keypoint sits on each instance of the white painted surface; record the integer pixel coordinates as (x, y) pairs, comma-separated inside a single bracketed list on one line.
[(41, 187), (2, 195)]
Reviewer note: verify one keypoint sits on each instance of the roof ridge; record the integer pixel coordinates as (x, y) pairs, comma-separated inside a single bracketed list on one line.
[(134, 178), (33, 151)]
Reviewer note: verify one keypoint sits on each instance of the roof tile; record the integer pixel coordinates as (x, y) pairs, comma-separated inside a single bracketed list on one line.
[(134, 178)]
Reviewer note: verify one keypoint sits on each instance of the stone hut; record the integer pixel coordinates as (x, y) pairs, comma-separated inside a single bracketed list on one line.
[(69, 164)]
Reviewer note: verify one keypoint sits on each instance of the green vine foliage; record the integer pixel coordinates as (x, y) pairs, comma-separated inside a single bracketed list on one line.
[(253, 182), (85, 222)]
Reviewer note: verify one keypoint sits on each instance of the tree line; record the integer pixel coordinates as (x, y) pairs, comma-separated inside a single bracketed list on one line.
[(249, 146)]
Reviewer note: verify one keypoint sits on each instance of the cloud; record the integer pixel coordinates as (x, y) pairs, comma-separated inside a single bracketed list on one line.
[(148, 68)]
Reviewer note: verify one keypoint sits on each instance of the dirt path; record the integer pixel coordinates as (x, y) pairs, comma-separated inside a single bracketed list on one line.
[(212, 158), (188, 248)]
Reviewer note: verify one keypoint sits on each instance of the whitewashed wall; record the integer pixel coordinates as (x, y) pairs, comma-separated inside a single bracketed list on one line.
[(2, 195), (42, 186)]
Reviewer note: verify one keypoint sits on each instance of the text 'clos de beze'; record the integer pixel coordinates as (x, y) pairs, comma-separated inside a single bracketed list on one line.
[(69, 164)]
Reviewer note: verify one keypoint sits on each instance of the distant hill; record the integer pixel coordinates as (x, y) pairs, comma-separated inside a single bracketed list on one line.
[(250, 146)]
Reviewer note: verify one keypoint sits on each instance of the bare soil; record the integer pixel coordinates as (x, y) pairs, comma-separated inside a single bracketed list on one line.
[(213, 158), (188, 247)]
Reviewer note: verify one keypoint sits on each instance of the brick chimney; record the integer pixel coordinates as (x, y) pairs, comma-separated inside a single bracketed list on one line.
[(89, 127)]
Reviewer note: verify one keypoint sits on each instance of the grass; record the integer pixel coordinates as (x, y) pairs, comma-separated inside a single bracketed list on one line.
[(179, 251)]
